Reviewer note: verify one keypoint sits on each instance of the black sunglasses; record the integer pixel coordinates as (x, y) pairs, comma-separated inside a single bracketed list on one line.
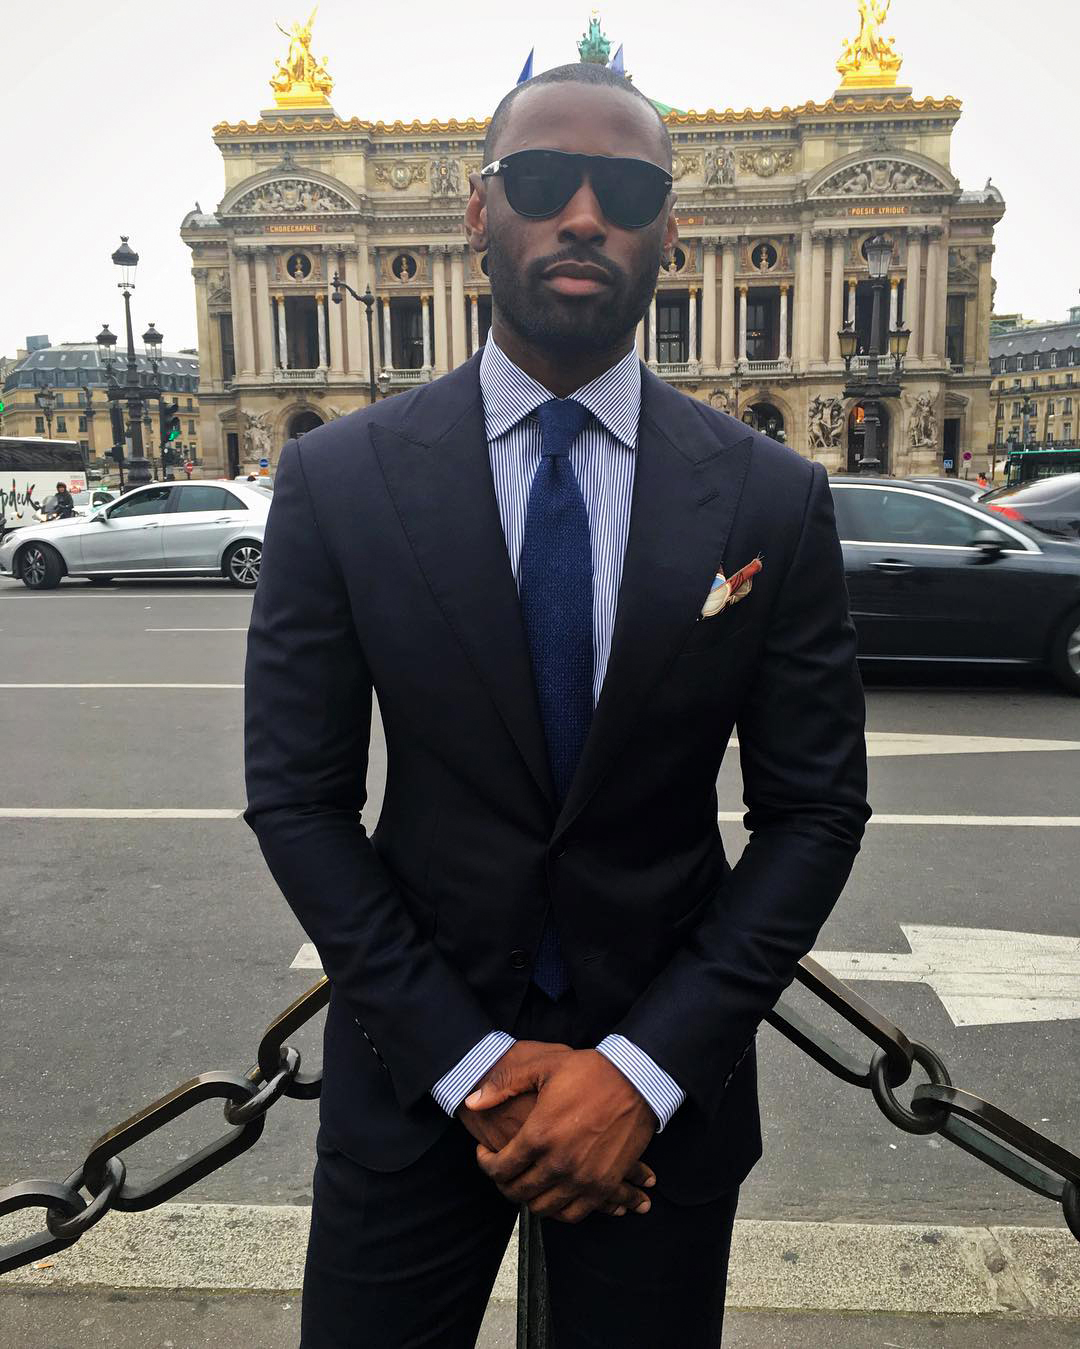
[(539, 183)]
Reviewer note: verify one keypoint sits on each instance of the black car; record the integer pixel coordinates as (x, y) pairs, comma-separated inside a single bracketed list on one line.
[(934, 578), (1050, 505), (965, 488)]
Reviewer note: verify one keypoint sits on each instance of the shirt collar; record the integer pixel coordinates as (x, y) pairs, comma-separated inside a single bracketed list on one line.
[(510, 395)]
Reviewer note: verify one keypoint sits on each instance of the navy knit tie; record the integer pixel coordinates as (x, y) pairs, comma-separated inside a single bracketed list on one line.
[(555, 584)]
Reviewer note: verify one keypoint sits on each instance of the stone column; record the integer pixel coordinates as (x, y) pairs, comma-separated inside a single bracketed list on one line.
[(942, 292), (336, 320), (971, 309), (210, 369), (816, 316), (240, 286), (802, 299), (708, 309), (282, 334), (836, 298), (931, 354), (320, 319), (425, 322), (438, 300), (354, 316), (743, 290), (652, 329), (727, 307), (894, 303), (388, 336), (851, 288), (262, 310), (982, 307), (782, 346), (475, 321), (691, 343), (912, 291), (639, 339), (457, 303)]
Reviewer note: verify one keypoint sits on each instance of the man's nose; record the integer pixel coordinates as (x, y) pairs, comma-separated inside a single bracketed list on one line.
[(582, 220)]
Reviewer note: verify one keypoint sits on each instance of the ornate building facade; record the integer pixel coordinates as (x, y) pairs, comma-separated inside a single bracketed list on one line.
[(774, 209)]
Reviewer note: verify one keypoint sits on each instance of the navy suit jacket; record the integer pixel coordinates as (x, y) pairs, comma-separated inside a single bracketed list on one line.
[(385, 568)]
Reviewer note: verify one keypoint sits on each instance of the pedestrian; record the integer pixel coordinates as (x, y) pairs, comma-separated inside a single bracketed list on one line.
[(566, 581), (981, 481), (65, 505)]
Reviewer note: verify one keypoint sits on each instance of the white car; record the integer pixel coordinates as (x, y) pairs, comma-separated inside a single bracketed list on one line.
[(84, 503), (163, 529)]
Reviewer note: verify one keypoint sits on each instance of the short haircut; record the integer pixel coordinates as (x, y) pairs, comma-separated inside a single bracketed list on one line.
[(580, 72)]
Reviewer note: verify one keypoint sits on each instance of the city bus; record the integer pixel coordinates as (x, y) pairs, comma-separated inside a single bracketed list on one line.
[(30, 468), (1026, 465)]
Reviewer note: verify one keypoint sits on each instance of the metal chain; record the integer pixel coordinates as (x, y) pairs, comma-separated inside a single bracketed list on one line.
[(980, 1128)]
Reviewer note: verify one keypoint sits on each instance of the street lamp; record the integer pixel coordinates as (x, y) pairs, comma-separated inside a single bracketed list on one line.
[(45, 398), (368, 301), (152, 341), (384, 381), (1027, 411), (106, 341), (870, 388), (133, 391)]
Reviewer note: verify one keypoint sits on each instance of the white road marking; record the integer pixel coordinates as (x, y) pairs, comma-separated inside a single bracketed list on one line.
[(892, 744), (191, 629), (307, 958), (953, 821), (983, 976), (94, 813), (121, 686)]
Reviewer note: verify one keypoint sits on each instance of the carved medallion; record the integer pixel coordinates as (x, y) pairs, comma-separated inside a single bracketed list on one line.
[(400, 175), (765, 163)]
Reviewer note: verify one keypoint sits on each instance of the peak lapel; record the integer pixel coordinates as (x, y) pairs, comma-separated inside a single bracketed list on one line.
[(437, 471), (687, 483)]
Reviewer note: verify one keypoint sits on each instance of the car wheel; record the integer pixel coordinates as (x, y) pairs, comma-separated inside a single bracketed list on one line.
[(242, 563), (1065, 652), (40, 566), (100, 580)]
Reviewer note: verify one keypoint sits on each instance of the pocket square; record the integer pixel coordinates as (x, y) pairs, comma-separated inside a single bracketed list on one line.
[(731, 589)]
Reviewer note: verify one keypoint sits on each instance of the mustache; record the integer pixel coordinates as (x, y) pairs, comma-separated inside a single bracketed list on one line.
[(615, 274)]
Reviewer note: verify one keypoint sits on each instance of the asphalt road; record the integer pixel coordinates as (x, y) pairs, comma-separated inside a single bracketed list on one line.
[(140, 952)]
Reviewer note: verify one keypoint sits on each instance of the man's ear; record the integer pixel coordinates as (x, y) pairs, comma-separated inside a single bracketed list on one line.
[(476, 214)]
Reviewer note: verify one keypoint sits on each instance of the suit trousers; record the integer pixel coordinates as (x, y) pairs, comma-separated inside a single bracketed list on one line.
[(407, 1259)]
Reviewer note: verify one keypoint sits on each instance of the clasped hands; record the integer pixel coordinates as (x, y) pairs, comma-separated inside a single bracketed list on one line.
[(562, 1130)]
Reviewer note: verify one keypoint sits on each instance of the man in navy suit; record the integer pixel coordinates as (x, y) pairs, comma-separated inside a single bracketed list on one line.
[(568, 585)]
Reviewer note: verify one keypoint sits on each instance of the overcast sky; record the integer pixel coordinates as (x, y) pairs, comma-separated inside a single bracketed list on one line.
[(108, 110)]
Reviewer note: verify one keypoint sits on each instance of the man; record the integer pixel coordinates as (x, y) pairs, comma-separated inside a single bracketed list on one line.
[(65, 505), (567, 584)]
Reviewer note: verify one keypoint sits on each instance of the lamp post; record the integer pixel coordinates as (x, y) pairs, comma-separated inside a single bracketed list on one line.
[(45, 398), (152, 341), (871, 388), (1027, 411), (106, 341), (368, 301), (135, 392)]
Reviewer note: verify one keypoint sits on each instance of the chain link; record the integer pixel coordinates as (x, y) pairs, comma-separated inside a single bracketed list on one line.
[(981, 1129)]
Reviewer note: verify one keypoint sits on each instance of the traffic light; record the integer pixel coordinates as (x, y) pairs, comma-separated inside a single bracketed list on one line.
[(116, 453), (1, 414), (116, 417), (170, 422)]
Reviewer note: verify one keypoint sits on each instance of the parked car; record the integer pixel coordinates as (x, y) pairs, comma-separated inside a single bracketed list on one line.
[(162, 529), (1051, 505), (934, 578), (961, 487)]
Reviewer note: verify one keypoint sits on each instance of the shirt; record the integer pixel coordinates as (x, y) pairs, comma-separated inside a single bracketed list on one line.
[(603, 458)]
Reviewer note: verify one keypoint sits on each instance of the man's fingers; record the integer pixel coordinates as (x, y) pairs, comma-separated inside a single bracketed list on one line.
[(507, 1165), (641, 1175)]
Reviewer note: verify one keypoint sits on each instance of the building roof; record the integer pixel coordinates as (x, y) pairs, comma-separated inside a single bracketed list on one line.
[(75, 363), (1043, 337)]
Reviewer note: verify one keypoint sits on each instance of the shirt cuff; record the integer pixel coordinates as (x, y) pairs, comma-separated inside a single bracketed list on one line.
[(452, 1088), (661, 1092)]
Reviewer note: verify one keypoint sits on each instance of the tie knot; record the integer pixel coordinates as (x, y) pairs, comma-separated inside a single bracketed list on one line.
[(561, 422)]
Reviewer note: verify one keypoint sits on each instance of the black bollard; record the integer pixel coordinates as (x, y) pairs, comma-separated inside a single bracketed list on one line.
[(533, 1324)]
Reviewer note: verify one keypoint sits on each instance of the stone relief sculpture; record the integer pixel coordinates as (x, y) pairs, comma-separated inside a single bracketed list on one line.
[(922, 426), (289, 194), (825, 423), (765, 163), (256, 434), (445, 178), (720, 167), (880, 177)]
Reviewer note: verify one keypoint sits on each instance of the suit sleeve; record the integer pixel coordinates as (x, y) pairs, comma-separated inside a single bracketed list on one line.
[(307, 724), (803, 754)]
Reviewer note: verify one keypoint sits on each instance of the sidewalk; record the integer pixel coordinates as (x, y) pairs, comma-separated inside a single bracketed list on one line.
[(102, 1319)]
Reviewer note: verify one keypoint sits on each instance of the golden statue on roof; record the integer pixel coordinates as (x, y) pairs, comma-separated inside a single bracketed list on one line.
[(869, 60), (301, 81)]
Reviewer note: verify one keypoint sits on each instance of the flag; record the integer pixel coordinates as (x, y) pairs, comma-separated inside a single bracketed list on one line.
[(526, 69), (617, 62)]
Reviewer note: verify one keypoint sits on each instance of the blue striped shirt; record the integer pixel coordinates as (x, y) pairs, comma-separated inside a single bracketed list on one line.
[(603, 458)]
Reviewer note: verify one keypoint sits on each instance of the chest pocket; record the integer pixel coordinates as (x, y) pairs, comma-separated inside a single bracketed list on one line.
[(708, 634)]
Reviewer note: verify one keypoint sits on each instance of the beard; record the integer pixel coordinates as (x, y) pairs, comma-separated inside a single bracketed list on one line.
[(567, 325)]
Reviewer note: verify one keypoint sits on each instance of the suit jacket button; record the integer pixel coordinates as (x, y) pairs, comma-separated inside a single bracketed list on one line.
[(519, 959)]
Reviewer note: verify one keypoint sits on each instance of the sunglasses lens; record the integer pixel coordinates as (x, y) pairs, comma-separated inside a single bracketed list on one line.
[(631, 192), (539, 183)]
